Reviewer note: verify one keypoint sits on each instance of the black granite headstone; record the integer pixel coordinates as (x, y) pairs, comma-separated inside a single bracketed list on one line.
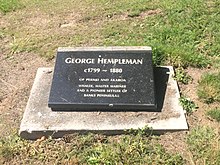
[(103, 79)]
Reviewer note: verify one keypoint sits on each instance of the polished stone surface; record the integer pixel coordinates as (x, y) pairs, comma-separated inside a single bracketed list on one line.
[(117, 79)]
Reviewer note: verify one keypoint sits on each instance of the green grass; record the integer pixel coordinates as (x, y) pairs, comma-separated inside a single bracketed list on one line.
[(182, 76), (204, 144), (188, 105), (9, 5), (182, 33), (209, 88), (214, 114), (88, 149)]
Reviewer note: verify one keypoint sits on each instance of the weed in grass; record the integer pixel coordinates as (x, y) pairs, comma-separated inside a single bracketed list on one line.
[(11, 146), (209, 88), (204, 143), (2, 35), (182, 76), (188, 105), (18, 46), (89, 149), (214, 113), (129, 149), (9, 5), (145, 131)]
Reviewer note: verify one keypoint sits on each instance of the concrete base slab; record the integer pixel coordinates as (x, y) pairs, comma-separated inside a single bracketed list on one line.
[(39, 120)]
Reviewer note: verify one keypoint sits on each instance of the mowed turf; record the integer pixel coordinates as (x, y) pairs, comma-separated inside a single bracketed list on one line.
[(182, 33)]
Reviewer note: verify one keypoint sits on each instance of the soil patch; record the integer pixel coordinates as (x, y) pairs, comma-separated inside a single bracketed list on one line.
[(16, 79)]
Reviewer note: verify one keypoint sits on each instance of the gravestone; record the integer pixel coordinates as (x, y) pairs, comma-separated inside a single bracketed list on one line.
[(103, 79)]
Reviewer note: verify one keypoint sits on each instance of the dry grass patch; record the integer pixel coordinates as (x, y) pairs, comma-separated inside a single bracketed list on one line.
[(209, 88)]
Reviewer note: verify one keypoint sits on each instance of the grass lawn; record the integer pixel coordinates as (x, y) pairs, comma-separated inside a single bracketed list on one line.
[(184, 34)]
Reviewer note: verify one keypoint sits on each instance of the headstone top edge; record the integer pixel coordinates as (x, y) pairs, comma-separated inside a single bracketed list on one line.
[(113, 48)]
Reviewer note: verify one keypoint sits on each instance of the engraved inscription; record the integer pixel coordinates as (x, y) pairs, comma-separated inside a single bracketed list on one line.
[(102, 61), (103, 87), (111, 79), (102, 90)]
